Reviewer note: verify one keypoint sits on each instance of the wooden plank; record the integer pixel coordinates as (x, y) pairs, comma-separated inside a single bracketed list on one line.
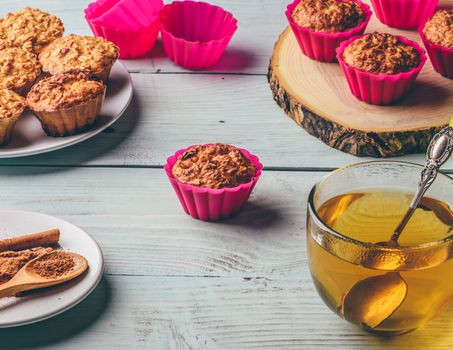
[(182, 313), (137, 219), (169, 112)]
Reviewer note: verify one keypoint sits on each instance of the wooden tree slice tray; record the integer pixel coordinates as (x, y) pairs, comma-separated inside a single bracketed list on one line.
[(317, 97)]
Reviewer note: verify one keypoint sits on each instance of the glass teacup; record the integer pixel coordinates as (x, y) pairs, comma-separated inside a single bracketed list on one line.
[(384, 288)]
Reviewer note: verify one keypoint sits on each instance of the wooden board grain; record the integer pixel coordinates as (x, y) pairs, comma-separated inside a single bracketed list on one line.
[(183, 313), (316, 95), (209, 108)]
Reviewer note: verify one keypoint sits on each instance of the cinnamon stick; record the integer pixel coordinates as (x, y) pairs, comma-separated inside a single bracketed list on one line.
[(33, 240)]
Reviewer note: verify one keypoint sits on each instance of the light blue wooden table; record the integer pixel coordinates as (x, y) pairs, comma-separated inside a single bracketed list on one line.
[(172, 282)]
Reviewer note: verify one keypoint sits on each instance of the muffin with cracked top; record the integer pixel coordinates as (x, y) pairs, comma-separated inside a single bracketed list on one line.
[(12, 106), (380, 68), (321, 25), (19, 69), (437, 35), (67, 103), (213, 181), (88, 53), (30, 29)]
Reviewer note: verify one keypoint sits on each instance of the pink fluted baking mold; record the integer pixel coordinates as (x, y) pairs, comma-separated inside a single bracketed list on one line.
[(134, 39), (195, 34), (321, 46), (404, 14), (380, 89), (441, 57), (212, 204), (125, 14)]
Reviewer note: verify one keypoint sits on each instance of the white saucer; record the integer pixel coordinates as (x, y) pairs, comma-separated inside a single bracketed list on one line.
[(44, 304), (28, 137)]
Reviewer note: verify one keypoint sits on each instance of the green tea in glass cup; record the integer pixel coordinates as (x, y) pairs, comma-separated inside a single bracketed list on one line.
[(383, 288)]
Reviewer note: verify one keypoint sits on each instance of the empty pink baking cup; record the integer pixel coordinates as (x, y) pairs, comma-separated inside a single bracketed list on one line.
[(404, 14), (380, 89), (441, 57), (132, 43), (321, 46), (124, 14), (134, 39), (212, 204), (195, 34)]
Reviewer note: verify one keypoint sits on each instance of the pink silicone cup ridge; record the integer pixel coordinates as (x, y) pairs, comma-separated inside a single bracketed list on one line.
[(212, 204), (404, 14), (380, 89), (321, 46), (441, 57), (127, 14), (195, 34)]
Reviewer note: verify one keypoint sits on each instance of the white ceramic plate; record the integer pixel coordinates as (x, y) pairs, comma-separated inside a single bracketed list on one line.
[(44, 304), (28, 138)]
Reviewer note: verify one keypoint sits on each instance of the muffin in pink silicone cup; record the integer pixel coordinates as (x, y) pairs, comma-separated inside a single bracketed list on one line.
[(321, 25), (132, 26), (213, 181), (404, 14), (195, 34), (380, 68), (437, 35)]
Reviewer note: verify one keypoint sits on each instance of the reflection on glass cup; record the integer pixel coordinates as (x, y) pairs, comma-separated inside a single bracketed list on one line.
[(359, 275)]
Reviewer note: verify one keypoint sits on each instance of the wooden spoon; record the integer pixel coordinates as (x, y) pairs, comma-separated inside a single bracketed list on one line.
[(373, 300), (28, 279)]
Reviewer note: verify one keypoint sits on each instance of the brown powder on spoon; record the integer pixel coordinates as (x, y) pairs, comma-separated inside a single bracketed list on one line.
[(53, 265)]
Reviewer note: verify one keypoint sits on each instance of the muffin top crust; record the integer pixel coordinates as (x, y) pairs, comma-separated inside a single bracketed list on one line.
[(214, 166), (439, 28), (11, 104), (30, 29), (381, 54), (329, 16), (18, 68), (64, 90), (78, 52)]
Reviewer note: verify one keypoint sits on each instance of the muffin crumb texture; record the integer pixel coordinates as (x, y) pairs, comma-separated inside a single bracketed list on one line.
[(64, 90), (30, 29), (329, 16), (78, 52), (381, 54), (439, 29), (11, 104), (18, 68), (214, 166)]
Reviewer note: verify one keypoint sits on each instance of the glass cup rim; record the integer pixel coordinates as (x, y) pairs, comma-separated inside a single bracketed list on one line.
[(336, 234)]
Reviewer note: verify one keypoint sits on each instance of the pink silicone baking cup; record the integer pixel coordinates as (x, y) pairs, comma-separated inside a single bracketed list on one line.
[(131, 43), (125, 14), (380, 89), (212, 204), (441, 57), (404, 14), (195, 34), (321, 46), (133, 39)]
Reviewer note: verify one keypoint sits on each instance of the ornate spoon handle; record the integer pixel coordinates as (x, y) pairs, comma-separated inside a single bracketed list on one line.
[(439, 150)]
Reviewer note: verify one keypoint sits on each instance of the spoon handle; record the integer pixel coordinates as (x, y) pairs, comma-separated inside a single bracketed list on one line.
[(439, 150)]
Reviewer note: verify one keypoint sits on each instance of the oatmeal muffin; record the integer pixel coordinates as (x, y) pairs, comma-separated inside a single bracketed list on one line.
[(67, 103), (329, 16), (87, 53), (12, 106), (439, 29), (30, 29), (381, 54), (18, 69), (214, 166)]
